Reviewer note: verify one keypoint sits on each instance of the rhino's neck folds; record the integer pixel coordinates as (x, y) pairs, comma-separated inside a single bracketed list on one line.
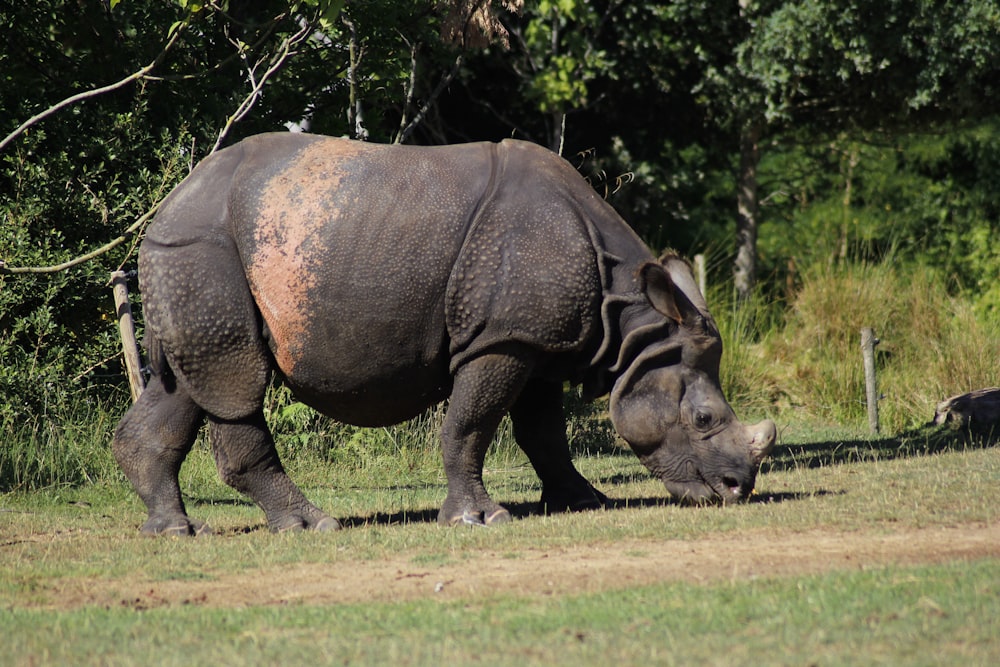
[(629, 328)]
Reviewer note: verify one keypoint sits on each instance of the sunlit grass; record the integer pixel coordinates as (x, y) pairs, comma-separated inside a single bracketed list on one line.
[(821, 480), (806, 366)]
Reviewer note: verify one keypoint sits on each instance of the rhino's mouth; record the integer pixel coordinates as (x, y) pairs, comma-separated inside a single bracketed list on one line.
[(727, 489), (734, 489)]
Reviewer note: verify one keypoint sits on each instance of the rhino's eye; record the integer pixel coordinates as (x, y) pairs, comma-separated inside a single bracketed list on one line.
[(702, 420)]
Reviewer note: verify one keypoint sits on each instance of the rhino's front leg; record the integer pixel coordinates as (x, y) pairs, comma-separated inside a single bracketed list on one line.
[(483, 391), (248, 462), (540, 430)]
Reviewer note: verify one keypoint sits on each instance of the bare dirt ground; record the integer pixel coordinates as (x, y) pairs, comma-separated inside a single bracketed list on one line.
[(558, 571)]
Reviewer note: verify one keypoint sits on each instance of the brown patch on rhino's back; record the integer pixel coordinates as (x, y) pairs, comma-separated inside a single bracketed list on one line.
[(295, 204)]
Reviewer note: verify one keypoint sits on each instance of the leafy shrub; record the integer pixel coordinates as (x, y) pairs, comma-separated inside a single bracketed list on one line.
[(916, 198)]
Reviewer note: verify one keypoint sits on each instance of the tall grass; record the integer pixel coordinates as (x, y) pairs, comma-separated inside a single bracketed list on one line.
[(68, 447), (806, 366), (746, 373)]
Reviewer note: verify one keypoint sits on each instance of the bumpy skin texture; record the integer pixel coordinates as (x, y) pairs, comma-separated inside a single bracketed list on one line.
[(379, 280)]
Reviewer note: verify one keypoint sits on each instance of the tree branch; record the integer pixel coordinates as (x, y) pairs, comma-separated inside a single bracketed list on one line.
[(411, 86), (222, 63), (278, 61), (285, 51), (96, 91), (445, 81), (128, 234)]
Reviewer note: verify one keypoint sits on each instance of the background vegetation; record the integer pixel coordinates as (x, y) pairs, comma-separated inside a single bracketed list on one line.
[(864, 130), (836, 161)]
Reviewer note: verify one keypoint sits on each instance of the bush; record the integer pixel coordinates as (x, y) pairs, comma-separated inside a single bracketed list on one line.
[(923, 198)]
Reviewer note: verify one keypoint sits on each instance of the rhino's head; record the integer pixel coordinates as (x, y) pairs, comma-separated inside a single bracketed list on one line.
[(667, 402)]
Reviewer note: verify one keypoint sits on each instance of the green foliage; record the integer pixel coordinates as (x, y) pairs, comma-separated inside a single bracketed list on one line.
[(560, 44), (57, 331), (863, 61), (922, 198)]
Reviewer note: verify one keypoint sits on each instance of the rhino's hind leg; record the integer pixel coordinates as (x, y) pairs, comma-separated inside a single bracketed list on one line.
[(247, 461), (150, 444), (483, 392), (211, 334), (540, 430)]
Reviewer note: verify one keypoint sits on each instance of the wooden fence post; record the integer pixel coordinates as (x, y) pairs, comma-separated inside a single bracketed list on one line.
[(126, 327), (868, 343)]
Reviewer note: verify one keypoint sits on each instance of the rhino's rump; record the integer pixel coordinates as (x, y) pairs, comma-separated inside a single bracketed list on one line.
[(348, 270)]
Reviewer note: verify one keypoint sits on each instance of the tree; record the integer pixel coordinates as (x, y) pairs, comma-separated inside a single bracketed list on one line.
[(848, 65), (609, 85)]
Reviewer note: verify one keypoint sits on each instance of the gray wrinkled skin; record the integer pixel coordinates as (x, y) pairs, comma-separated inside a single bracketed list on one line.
[(377, 281)]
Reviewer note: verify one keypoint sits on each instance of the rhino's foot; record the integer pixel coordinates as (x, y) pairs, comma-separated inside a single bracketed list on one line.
[(467, 517), (292, 523), (175, 526), (578, 501)]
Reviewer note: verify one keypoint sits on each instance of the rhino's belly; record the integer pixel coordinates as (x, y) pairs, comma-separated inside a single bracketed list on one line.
[(376, 389), (373, 406)]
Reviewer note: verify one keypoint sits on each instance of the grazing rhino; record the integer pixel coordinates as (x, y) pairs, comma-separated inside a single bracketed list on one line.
[(377, 281)]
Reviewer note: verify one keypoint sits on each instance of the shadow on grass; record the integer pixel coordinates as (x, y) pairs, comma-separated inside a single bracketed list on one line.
[(918, 442), (531, 509), (517, 510)]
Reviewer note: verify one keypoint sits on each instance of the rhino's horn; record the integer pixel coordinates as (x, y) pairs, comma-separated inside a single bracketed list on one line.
[(762, 438)]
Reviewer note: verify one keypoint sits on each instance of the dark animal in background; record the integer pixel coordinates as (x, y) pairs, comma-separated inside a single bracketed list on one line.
[(379, 280)]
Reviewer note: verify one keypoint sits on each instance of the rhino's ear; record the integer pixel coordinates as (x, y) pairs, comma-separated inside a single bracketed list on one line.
[(661, 292), (666, 296)]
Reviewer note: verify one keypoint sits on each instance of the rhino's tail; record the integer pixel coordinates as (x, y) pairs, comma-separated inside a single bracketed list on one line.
[(154, 352)]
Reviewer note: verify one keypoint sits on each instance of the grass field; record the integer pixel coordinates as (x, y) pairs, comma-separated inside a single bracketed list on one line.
[(853, 551)]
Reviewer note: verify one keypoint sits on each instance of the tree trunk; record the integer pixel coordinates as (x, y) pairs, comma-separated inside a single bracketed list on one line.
[(747, 205), (851, 158)]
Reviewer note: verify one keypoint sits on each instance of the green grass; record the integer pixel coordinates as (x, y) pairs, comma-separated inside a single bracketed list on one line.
[(815, 478), (915, 616), (820, 480)]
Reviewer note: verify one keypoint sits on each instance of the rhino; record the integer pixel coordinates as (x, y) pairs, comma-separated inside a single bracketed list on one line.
[(378, 280)]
